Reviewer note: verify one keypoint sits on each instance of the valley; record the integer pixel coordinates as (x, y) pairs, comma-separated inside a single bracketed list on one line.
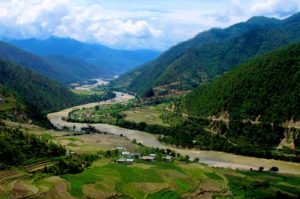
[(119, 100), (212, 158)]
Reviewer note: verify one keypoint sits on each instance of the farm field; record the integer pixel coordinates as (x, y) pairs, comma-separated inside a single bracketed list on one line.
[(87, 92), (105, 179), (149, 114)]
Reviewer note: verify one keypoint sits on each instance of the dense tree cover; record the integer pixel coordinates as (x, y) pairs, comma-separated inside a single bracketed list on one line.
[(75, 69), (259, 140), (42, 95), (267, 86), (212, 53), (17, 148), (72, 164), (34, 62)]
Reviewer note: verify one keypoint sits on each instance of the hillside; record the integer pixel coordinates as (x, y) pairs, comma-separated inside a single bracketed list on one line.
[(63, 70), (39, 93), (112, 60), (266, 87), (212, 53), (77, 68)]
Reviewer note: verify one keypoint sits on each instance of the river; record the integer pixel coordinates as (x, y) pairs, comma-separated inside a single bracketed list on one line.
[(212, 158)]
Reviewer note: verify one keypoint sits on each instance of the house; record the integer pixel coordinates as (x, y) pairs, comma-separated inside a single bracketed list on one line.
[(120, 148), (135, 155), (1, 100), (153, 155), (71, 153), (129, 160), (168, 158), (148, 158), (121, 160), (125, 153)]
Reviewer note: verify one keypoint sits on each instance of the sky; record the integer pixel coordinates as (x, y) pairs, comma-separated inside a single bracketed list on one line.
[(130, 24)]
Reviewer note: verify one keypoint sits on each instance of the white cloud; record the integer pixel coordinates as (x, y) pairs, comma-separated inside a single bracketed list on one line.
[(65, 18), (278, 8), (130, 24)]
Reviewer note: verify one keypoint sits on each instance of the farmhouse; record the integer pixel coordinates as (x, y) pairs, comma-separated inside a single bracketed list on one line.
[(125, 160), (120, 148), (136, 155), (125, 153), (168, 158), (121, 160), (148, 158)]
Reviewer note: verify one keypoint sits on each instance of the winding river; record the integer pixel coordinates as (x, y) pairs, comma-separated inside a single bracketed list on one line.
[(212, 158)]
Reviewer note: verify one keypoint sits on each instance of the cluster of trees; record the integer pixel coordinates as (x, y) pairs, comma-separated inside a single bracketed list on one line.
[(211, 53), (48, 95), (17, 148), (73, 164), (257, 140), (267, 86)]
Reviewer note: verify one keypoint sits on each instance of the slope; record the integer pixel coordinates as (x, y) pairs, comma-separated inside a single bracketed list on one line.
[(114, 61), (39, 93), (61, 70), (266, 87), (77, 68), (212, 53)]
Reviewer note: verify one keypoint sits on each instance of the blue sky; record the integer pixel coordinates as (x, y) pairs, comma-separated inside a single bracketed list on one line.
[(131, 24)]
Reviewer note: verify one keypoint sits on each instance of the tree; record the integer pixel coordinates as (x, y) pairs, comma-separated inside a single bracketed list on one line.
[(261, 169), (274, 169)]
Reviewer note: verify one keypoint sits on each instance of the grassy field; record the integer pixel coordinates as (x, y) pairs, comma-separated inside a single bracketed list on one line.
[(149, 114), (155, 180), (175, 180), (87, 92)]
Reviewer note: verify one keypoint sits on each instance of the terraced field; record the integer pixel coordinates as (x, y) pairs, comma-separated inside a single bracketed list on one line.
[(175, 180)]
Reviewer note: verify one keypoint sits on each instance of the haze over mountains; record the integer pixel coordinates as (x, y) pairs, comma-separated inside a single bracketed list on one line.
[(107, 60), (212, 53)]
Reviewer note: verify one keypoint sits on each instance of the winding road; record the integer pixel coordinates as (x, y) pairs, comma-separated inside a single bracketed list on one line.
[(212, 158)]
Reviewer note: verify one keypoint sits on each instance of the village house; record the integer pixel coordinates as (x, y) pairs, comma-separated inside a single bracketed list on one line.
[(125, 153), (120, 148), (153, 155), (136, 155), (168, 158), (148, 158), (71, 153)]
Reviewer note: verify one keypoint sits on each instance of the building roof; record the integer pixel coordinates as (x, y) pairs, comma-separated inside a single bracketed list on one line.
[(148, 158), (125, 153)]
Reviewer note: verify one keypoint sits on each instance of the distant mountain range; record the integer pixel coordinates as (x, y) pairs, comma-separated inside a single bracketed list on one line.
[(266, 88), (212, 53), (112, 61)]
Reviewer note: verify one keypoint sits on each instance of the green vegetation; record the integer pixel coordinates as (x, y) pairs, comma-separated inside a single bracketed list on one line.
[(212, 53), (267, 86), (18, 148), (48, 96), (150, 112)]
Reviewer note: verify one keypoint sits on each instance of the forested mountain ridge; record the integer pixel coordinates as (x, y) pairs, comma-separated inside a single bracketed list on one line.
[(76, 68), (213, 53), (265, 88), (65, 70), (39, 93), (104, 58)]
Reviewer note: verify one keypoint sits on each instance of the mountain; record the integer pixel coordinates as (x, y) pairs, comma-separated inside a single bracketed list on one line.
[(76, 68), (63, 69), (212, 53), (265, 88), (114, 61), (39, 93)]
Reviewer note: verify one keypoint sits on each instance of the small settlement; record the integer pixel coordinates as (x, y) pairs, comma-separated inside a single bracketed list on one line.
[(129, 158)]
